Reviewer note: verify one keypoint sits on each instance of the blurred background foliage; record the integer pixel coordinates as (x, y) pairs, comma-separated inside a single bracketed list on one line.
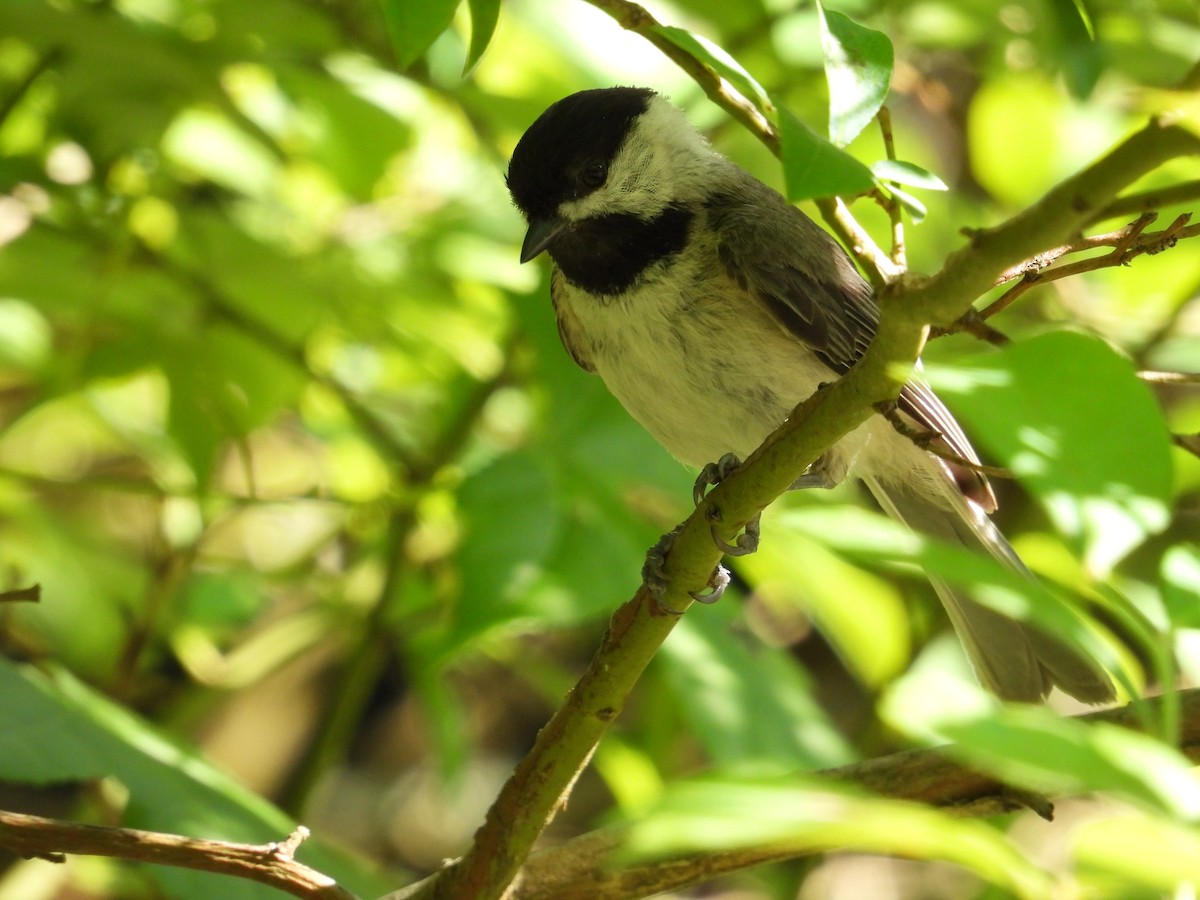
[(323, 515)]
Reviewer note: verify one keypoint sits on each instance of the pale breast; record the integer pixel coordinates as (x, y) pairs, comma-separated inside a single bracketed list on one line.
[(699, 363)]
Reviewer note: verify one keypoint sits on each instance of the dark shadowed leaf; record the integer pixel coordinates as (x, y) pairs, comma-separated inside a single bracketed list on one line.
[(746, 702)]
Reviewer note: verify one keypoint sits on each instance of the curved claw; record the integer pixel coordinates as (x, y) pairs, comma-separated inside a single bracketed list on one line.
[(717, 582), (656, 581), (746, 542), (713, 474)]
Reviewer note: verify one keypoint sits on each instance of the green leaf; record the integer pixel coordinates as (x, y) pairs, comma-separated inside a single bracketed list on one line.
[(1141, 849), (54, 728), (813, 167), (724, 814), (871, 634), (907, 173), (1037, 749), (721, 63), (1181, 585), (749, 705), (1070, 418), (870, 538), (484, 15), (1083, 60), (415, 24), (914, 207), (858, 67), (512, 522)]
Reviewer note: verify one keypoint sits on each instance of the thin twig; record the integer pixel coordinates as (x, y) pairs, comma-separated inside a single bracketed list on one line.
[(1169, 377), (1127, 243), (891, 205), (271, 864), (877, 265), (934, 442), (635, 18)]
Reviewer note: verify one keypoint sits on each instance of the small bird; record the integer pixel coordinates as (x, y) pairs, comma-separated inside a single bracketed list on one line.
[(710, 307)]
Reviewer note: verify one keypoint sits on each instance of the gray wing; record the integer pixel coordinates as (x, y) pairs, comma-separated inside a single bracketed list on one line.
[(782, 257), (804, 277)]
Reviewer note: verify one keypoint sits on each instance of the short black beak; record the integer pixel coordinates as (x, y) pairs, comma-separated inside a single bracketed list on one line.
[(541, 234)]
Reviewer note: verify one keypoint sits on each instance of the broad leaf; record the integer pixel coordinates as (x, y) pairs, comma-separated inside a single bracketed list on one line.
[(415, 24), (858, 67), (813, 167), (721, 63), (723, 814), (1070, 418), (55, 729), (484, 15)]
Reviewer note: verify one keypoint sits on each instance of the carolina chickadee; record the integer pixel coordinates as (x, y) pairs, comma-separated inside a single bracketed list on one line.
[(711, 306)]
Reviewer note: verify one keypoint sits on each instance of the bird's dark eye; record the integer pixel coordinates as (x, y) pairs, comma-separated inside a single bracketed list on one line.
[(594, 175)]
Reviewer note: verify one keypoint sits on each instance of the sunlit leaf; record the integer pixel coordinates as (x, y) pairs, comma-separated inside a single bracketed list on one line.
[(871, 634), (907, 173), (909, 203), (746, 703), (484, 15), (813, 167), (721, 63), (724, 814), (414, 24), (1140, 849), (870, 538), (1072, 421), (1181, 585), (858, 67)]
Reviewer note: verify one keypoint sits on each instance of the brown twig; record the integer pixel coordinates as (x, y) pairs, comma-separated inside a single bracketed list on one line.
[(1127, 243), (929, 440), (271, 864), (31, 594), (1188, 442), (1169, 377)]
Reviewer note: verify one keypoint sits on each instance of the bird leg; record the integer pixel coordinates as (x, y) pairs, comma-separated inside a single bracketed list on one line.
[(825, 473), (711, 475)]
